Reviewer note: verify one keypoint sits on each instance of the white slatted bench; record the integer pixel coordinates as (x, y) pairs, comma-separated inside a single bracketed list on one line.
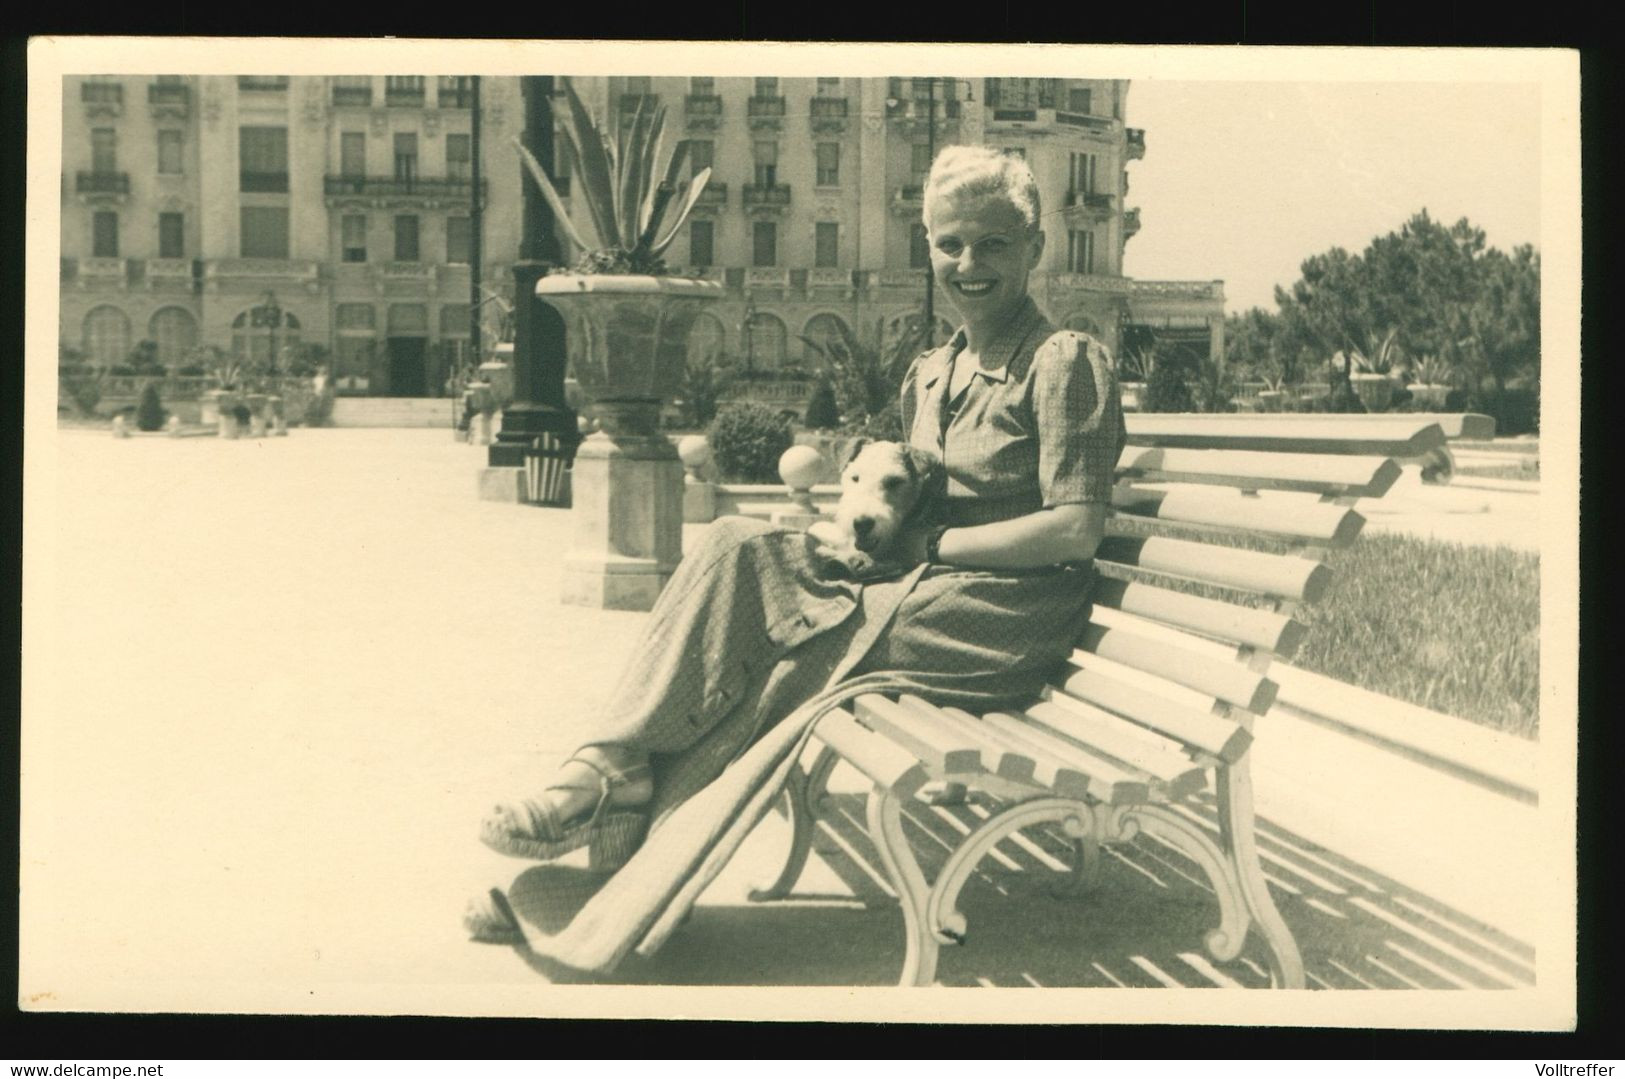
[(1147, 713)]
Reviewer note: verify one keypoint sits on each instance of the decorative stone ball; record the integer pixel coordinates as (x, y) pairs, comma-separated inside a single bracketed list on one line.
[(174, 425), (695, 452), (586, 424), (120, 430), (800, 467)]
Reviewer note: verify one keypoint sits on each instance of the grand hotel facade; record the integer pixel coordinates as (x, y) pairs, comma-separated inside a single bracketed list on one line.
[(194, 207)]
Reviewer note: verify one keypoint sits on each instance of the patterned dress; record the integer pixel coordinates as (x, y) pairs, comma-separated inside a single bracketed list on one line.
[(755, 637)]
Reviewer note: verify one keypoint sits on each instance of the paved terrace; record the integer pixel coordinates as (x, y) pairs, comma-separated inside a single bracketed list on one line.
[(291, 674)]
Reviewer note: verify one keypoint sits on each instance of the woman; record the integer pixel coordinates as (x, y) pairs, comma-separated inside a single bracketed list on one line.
[(707, 722)]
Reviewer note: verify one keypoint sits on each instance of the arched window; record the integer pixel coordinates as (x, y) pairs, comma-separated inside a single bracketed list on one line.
[(822, 332), (1081, 322), (355, 341), (252, 331), (175, 332), (706, 339), (107, 336), (766, 340)]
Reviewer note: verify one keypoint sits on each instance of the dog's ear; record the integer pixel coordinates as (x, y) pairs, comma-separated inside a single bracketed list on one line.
[(929, 475), (853, 448)]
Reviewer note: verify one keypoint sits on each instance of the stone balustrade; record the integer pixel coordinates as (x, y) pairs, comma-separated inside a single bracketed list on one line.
[(806, 494)]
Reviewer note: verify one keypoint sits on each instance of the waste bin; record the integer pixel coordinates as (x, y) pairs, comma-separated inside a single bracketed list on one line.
[(545, 462)]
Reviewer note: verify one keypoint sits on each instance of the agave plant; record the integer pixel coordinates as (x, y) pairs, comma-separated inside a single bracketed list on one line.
[(631, 196), (1434, 370), (1381, 356)]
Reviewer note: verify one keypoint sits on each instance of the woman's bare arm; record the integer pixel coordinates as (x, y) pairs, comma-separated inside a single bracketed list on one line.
[(1068, 533)]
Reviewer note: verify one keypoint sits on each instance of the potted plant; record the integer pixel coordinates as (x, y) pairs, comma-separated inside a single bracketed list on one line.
[(1432, 380), (1133, 372), (626, 326), (626, 322), (1272, 398), (1373, 372)]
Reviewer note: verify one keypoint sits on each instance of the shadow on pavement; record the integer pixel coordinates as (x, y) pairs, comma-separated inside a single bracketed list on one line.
[(1142, 926)]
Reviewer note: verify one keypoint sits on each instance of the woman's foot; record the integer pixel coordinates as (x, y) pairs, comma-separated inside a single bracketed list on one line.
[(489, 919), (579, 809)]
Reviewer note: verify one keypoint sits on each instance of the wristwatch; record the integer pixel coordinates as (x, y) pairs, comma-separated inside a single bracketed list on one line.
[(933, 539)]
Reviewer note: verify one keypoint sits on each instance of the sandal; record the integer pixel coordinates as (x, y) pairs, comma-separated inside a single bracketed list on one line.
[(491, 920), (611, 838)]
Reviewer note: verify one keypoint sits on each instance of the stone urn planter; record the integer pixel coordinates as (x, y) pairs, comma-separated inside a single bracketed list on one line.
[(1271, 400), (626, 339), (1429, 395), (1374, 390)]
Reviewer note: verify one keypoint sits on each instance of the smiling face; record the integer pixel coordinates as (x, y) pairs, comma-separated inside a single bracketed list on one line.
[(981, 253)]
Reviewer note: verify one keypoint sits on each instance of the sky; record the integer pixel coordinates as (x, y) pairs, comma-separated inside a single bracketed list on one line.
[(1243, 181)]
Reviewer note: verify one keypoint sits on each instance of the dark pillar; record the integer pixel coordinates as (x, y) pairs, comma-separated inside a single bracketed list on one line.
[(538, 338)]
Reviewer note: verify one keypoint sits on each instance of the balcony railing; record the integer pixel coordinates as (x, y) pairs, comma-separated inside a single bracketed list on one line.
[(767, 195), (630, 103), (263, 182), (404, 96), (702, 110), (455, 92), (353, 96), (102, 98), (829, 113), (103, 183), (1084, 120), (1131, 221), (1015, 116), (714, 193), (170, 97), (262, 82), (416, 187), (1136, 142), (765, 111), (1099, 202)]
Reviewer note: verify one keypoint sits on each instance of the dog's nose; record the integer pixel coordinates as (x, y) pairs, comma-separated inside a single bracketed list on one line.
[(862, 526)]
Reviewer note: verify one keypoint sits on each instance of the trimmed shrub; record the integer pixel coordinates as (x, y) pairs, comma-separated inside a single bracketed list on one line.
[(747, 441), (1166, 391), (150, 413), (822, 413), (883, 426)]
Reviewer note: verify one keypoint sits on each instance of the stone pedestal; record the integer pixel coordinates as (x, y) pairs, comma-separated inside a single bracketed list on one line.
[(500, 483), (628, 506)]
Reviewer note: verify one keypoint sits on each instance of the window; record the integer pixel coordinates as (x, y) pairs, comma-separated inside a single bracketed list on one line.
[(458, 157), (406, 156), (701, 242), (354, 344), (829, 163), (103, 150), (706, 338), (765, 339), (403, 90), (263, 158), (265, 232), (829, 87), (171, 236), (764, 243), (104, 234), (262, 336), (767, 163), (1081, 170), (826, 252), (174, 331), (1015, 151), (459, 243), (1080, 251), (701, 155), (767, 87), (406, 238), (455, 334), (920, 161), (107, 336), (919, 248), (1077, 99), (702, 86), (637, 84), (354, 239), (169, 152), (353, 154)]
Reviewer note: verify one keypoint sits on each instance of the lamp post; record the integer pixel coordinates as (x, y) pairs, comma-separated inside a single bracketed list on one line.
[(270, 316)]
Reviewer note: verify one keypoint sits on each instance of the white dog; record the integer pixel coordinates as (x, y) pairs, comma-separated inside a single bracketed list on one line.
[(886, 488)]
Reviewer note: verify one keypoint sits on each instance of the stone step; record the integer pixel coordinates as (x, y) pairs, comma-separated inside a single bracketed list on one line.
[(393, 411)]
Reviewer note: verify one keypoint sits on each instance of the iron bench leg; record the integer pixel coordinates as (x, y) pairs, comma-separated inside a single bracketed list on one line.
[(886, 830), (1235, 791), (804, 793)]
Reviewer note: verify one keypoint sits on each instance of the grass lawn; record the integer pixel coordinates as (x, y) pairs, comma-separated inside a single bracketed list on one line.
[(1444, 626)]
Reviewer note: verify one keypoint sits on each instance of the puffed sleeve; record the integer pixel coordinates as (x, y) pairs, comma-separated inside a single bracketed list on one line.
[(1079, 416)]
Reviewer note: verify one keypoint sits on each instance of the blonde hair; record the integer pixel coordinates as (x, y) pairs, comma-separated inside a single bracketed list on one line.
[(966, 171)]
